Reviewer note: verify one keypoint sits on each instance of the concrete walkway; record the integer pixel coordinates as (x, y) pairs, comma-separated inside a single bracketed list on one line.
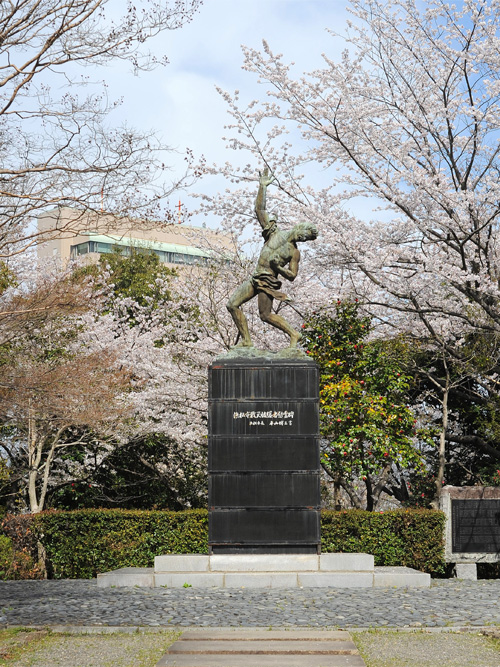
[(254, 648)]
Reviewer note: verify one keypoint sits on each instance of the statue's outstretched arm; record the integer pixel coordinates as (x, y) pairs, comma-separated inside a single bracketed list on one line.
[(265, 179)]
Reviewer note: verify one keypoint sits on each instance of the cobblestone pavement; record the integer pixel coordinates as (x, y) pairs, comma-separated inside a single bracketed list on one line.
[(79, 602)]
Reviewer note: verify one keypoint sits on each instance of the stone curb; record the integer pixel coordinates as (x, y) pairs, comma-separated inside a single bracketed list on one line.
[(131, 629)]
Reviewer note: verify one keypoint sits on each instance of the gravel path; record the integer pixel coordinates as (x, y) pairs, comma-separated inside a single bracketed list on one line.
[(79, 602), (389, 649), (131, 649), (117, 650)]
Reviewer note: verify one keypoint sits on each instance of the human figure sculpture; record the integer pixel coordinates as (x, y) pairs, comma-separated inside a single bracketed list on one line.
[(280, 249)]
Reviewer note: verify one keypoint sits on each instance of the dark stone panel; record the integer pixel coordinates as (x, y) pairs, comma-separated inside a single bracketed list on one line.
[(242, 453), (258, 418), (475, 526), (269, 527), (264, 489), (261, 380)]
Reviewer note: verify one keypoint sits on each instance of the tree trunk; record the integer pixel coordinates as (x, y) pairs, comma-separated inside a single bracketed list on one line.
[(369, 494), (336, 493), (34, 457), (442, 442), (373, 492), (353, 497)]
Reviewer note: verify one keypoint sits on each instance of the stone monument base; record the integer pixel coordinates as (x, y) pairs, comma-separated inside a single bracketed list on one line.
[(263, 454), (336, 570)]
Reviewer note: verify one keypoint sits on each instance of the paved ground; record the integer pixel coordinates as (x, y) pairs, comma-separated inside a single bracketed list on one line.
[(378, 648), (448, 603)]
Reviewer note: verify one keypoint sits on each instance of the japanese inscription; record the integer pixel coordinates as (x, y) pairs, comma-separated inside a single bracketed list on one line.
[(260, 418), (267, 418), (476, 526)]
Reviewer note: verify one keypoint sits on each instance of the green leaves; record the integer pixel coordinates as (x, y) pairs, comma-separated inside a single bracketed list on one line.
[(413, 538), (81, 543), (136, 276), (7, 277), (363, 412)]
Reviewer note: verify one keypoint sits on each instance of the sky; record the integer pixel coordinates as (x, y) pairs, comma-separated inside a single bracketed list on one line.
[(181, 102)]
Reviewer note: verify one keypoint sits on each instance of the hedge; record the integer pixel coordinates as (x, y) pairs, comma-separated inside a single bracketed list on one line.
[(412, 538), (81, 543)]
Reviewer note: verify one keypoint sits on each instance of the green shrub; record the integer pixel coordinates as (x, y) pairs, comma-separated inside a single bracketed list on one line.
[(412, 538), (81, 543), (6, 556)]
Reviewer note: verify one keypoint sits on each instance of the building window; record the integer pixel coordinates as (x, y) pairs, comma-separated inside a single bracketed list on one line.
[(103, 248), (80, 249), (165, 256)]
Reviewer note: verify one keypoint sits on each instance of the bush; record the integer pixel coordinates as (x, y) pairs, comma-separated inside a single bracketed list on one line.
[(16, 564), (6, 556), (27, 552), (412, 538), (81, 543)]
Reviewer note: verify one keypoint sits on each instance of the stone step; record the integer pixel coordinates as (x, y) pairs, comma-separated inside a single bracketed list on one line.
[(249, 634), (350, 562), (176, 660), (189, 579), (263, 562), (385, 577), (264, 579), (182, 563), (335, 579), (232, 646), (144, 577), (259, 648)]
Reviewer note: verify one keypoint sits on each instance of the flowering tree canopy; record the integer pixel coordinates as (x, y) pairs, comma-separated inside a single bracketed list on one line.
[(404, 127), (407, 120), (56, 147)]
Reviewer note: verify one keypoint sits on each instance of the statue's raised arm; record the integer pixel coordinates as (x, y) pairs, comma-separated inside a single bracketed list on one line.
[(267, 222)]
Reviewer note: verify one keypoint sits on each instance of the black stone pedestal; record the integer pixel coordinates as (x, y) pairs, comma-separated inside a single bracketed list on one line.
[(263, 456)]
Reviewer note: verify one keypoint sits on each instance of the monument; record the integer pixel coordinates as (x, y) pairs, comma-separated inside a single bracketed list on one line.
[(472, 533), (263, 448), (263, 456)]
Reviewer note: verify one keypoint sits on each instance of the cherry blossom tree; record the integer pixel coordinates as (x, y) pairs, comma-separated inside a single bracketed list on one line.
[(56, 145), (95, 362), (55, 392), (404, 127), (57, 148), (408, 119)]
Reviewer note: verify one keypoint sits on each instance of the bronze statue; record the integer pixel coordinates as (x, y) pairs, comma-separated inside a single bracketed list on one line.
[(280, 249)]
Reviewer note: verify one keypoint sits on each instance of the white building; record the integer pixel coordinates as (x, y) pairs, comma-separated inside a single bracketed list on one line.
[(91, 234)]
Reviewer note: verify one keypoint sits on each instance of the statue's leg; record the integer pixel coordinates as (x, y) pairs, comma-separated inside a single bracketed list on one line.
[(267, 315), (241, 295)]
